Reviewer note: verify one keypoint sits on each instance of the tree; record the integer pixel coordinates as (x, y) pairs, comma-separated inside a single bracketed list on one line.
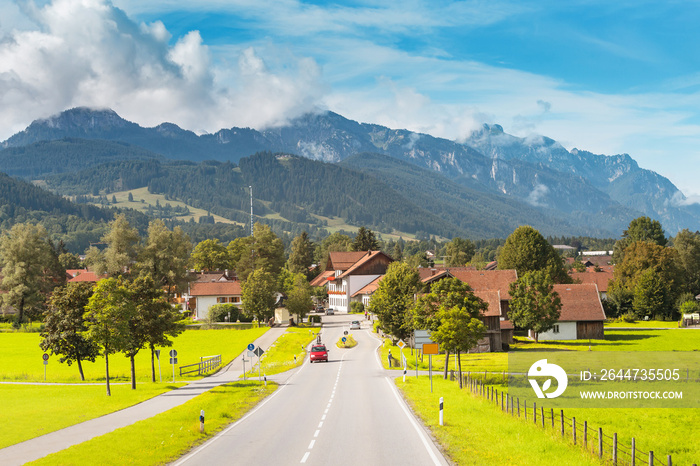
[(459, 252), (302, 254), (299, 300), (258, 298), (155, 321), (69, 261), (336, 242), (641, 256), (688, 246), (365, 240), (26, 257), (264, 251), (394, 297), (639, 229), (460, 328), (534, 304), (65, 326), (210, 255), (130, 197), (121, 249), (165, 256), (397, 252), (651, 295), (447, 294), (107, 314), (526, 250)]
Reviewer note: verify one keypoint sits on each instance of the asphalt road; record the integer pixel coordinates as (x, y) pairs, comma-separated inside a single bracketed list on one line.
[(346, 411)]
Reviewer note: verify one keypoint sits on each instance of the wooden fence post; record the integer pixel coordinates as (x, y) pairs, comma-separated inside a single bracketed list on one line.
[(573, 427), (552, 413), (534, 412), (585, 434), (670, 463), (542, 415), (501, 401), (561, 415), (651, 458), (634, 452), (518, 407), (614, 448), (600, 442)]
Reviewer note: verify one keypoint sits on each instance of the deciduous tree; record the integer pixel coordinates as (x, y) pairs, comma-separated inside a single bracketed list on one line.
[(107, 314), (534, 304), (527, 250), (299, 300), (165, 256), (210, 255), (302, 254), (65, 326), (259, 295), (459, 252), (394, 297), (121, 251), (688, 246)]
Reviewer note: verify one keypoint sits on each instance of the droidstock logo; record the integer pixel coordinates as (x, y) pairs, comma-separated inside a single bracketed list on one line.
[(542, 369)]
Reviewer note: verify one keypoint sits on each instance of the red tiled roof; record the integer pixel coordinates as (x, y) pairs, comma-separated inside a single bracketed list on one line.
[(493, 299), (481, 280), (75, 272), (601, 279), (227, 288), (341, 260), (86, 277), (580, 303), (323, 278), (370, 288), (370, 255)]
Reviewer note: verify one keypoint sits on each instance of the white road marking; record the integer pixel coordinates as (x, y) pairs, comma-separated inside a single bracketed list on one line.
[(306, 456), (316, 433), (420, 432), (323, 418), (311, 445)]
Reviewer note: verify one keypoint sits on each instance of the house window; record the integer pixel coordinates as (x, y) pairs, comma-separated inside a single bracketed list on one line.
[(555, 329), (220, 300), (236, 299)]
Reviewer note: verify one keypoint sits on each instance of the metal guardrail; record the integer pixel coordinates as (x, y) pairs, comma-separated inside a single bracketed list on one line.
[(205, 364)]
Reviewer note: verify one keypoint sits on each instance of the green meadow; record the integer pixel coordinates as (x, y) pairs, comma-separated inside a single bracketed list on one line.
[(21, 357), (166, 436), (286, 353)]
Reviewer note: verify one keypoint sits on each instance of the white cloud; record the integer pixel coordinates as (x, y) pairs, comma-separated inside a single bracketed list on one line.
[(87, 52), (537, 196)]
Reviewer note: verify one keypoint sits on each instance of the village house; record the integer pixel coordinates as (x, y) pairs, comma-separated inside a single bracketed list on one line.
[(601, 279), (212, 288), (348, 272), (582, 315)]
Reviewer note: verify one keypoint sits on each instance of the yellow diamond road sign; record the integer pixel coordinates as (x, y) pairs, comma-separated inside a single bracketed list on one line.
[(401, 344)]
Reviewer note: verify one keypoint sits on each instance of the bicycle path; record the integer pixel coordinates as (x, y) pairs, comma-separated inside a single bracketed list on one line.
[(39, 447)]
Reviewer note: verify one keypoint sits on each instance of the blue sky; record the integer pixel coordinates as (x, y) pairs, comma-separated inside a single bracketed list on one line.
[(609, 77)]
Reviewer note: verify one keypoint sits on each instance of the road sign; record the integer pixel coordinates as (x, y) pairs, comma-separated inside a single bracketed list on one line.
[(250, 354), (258, 351), (46, 363), (173, 360), (157, 353), (251, 347), (45, 357), (401, 344), (173, 353), (345, 332), (431, 348), (420, 337), (343, 339)]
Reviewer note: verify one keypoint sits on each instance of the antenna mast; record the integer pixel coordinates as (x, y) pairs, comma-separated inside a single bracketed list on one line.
[(251, 210)]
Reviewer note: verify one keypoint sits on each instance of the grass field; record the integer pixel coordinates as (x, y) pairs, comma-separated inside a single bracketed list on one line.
[(643, 324), (169, 435), (476, 433), (279, 357), (21, 357), (34, 410)]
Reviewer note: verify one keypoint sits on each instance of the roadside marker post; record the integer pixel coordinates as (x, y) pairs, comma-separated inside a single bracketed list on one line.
[(441, 417), (201, 421)]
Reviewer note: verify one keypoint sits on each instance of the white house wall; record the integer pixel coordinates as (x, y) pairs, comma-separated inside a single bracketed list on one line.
[(203, 305), (567, 331)]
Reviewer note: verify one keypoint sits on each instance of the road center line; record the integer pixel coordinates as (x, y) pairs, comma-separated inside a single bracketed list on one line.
[(316, 433), (311, 445), (306, 456)]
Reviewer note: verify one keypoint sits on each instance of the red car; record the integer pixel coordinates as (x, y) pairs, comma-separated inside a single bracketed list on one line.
[(318, 353)]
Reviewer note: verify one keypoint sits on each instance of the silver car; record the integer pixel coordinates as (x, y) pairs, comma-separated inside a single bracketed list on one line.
[(355, 325)]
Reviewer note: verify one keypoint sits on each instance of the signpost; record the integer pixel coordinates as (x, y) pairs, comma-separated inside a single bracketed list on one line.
[(259, 352), (401, 346), (421, 337), (45, 357), (430, 349), (173, 361)]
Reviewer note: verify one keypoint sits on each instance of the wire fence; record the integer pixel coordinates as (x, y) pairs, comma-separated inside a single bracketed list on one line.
[(608, 448)]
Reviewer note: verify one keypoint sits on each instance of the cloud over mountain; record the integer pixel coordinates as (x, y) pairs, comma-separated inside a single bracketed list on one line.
[(88, 52)]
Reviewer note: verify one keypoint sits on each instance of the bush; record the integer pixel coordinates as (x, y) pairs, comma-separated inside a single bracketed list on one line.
[(628, 317), (357, 307)]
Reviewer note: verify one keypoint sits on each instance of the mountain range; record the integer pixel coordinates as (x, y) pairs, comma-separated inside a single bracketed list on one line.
[(484, 186)]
